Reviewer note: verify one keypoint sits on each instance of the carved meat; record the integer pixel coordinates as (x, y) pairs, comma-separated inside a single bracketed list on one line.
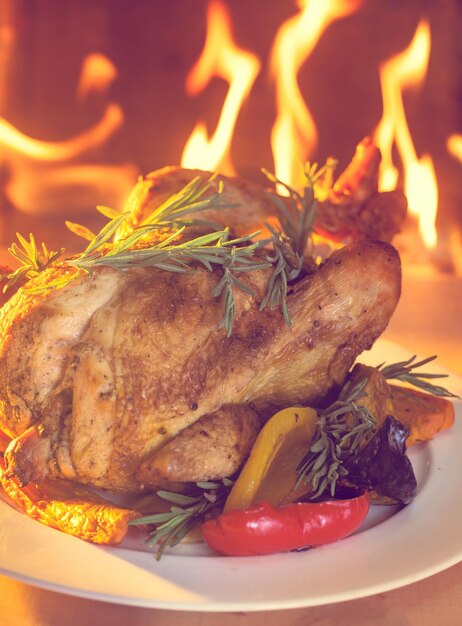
[(97, 377)]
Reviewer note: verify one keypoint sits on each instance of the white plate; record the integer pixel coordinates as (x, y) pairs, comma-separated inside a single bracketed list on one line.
[(393, 550)]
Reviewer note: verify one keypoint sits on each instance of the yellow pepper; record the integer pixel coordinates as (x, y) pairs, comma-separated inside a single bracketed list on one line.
[(270, 472)]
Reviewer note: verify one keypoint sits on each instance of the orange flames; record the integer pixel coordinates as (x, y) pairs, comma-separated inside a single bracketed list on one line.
[(402, 72), (454, 146), (97, 74), (44, 176), (294, 135), (220, 57)]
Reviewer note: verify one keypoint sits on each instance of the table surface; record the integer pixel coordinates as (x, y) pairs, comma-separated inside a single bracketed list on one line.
[(427, 321)]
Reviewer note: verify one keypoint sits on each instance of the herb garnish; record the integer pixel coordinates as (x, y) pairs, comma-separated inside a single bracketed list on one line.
[(233, 256), (171, 214), (188, 511), (33, 260), (335, 439), (296, 216), (404, 371)]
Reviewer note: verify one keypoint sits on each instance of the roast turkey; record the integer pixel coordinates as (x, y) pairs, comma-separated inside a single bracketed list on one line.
[(127, 380)]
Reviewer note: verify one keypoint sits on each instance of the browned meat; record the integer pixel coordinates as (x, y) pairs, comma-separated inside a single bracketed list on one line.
[(42, 329), (355, 209), (98, 376), (249, 206), (352, 210), (213, 448), (380, 217), (360, 178)]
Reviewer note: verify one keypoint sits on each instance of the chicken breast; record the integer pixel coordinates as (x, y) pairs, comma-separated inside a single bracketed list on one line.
[(97, 378)]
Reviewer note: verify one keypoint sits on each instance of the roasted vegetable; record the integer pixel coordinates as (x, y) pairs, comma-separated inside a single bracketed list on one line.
[(382, 467), (270, 473), (376, 395), (265, 529), (422, 414)]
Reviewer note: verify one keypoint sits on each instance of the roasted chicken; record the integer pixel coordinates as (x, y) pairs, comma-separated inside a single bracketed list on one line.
[(352, 209), (118, 379)]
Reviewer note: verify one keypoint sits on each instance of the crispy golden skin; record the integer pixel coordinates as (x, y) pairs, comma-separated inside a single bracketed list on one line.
[(212, 448), (353, 209), (98, 376), (70, 508)]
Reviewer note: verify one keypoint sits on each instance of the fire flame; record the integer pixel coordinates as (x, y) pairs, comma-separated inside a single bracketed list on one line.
[(405, 70), (454, 146), (220, 57), (7, 43), (97, 74), (13, 140), (43, 176), (294, 135)]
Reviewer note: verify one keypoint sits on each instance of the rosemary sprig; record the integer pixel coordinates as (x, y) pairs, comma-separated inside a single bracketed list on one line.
[(235, 256), (33, 260), (190, 199), (404, 371), (171, 214), (235, 264), (216, 248), (341, 428), (296, 218), (276, 291), (188, 512)]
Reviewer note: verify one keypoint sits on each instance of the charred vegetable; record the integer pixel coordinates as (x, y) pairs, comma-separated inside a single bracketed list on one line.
[(382, 467)]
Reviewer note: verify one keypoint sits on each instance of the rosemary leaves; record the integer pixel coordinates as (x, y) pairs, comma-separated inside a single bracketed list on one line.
[(235, 256), (405, 371), (345, 426), (187, 512), (296, 216), (174, 253), (336, 438), (33, 260)]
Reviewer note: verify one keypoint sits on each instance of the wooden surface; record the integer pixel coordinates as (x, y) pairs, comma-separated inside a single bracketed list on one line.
[(427, 321)]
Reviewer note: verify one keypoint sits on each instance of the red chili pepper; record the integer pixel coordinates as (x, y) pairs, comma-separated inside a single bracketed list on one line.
[(265, 529)]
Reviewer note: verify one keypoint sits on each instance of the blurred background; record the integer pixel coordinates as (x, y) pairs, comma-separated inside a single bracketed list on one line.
[(94, 93)]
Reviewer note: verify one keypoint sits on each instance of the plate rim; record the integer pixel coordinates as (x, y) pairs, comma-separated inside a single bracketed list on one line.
[(199, 603)]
